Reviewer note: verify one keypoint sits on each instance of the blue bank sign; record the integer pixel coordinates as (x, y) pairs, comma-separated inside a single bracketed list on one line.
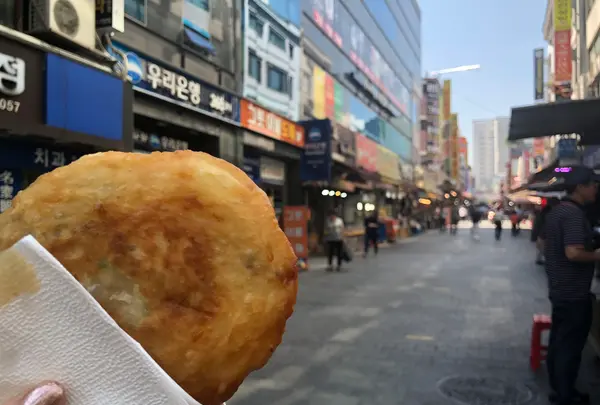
[(156, 79)]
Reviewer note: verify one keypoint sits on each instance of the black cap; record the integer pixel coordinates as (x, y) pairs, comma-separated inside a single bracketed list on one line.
[(575, 175)]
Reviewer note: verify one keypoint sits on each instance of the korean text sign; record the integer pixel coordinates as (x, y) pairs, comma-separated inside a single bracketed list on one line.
[(295, 219), (10, 184), (316, 159), (155, 78), (267, 123)]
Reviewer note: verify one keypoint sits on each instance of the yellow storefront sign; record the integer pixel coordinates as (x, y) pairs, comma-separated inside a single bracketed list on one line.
[(318, 92), (562, 15), (388, 164)]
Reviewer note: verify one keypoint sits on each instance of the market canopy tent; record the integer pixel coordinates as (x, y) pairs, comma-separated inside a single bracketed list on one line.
[(566, 117)]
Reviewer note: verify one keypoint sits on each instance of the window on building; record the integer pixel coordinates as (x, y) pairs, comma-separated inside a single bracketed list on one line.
[(290, 86), (291, 51), (256, 24), (202, 4), (277, 79), (277, 39), (254, 65), (137, 10)]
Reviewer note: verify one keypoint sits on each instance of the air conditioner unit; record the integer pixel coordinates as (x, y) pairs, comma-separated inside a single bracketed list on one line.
[(70, 20)]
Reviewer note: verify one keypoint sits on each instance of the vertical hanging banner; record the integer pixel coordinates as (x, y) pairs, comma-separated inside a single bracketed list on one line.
[(454, 161), (563, 67), (447, 107), (318, 92), (538, 66)]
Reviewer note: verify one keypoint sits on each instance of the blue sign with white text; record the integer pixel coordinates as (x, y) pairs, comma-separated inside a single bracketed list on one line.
[(38, 157), (316, 158), (156, 79)]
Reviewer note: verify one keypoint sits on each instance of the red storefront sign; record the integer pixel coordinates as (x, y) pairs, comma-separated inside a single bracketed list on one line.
[(366, 153), (295, 220), (562, 56)]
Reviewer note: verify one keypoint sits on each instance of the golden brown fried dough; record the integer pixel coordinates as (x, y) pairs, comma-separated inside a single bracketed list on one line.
[(182, 249)]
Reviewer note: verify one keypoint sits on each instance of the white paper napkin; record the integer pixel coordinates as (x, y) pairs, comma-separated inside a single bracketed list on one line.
[(52, 329)]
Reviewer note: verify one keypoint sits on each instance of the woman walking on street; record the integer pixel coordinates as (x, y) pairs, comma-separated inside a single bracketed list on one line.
[(371, 233), (334, 236)]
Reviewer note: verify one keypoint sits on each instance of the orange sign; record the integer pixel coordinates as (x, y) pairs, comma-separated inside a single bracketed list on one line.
[(267, 123), (295, 220)]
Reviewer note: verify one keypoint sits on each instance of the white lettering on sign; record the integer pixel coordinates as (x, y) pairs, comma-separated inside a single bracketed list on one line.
[(7, 190), (159, 143), (12, 82), (12, 75), (265, 119), (218, 102), (48, 158), (178, 85)]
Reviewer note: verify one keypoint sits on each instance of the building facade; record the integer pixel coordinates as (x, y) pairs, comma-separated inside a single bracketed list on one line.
[(272, 53), (59, 96), (183, 59), (360, 67)]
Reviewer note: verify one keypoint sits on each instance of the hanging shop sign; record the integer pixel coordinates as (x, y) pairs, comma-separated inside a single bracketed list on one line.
[(538, 72), (267, 123), (295, 226), (21, 84), (343, 146), (153, 142), (316, 160), (156, 79), (110, 15), (388, 164), (366, 153), (10, 184)]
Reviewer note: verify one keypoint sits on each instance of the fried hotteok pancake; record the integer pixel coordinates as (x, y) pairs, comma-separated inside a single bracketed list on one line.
[(182, 249)]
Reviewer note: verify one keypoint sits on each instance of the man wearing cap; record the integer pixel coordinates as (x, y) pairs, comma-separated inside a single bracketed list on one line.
[(570, 258)]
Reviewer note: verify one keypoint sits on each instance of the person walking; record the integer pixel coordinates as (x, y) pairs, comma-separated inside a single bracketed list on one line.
[(371, 233), (570, 257), (498, 218), (475, 219), (334, 236)]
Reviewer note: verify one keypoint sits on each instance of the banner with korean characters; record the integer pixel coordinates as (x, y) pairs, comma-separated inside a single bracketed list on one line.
[(295, 226), (11, 182), (153, 142), (157, 79), (267, 123)]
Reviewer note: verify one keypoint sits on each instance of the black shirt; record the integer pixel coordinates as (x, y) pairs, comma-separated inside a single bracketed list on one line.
[(371, 224), (566, 224)]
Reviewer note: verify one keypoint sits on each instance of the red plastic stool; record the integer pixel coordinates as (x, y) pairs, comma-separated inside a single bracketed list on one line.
[(538, 353)]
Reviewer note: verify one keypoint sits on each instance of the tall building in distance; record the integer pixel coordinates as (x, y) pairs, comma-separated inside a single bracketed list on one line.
[(491, 152)]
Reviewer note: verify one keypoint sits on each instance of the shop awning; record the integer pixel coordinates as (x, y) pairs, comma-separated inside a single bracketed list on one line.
[(565, 117), (199, 41), (539, 180)]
